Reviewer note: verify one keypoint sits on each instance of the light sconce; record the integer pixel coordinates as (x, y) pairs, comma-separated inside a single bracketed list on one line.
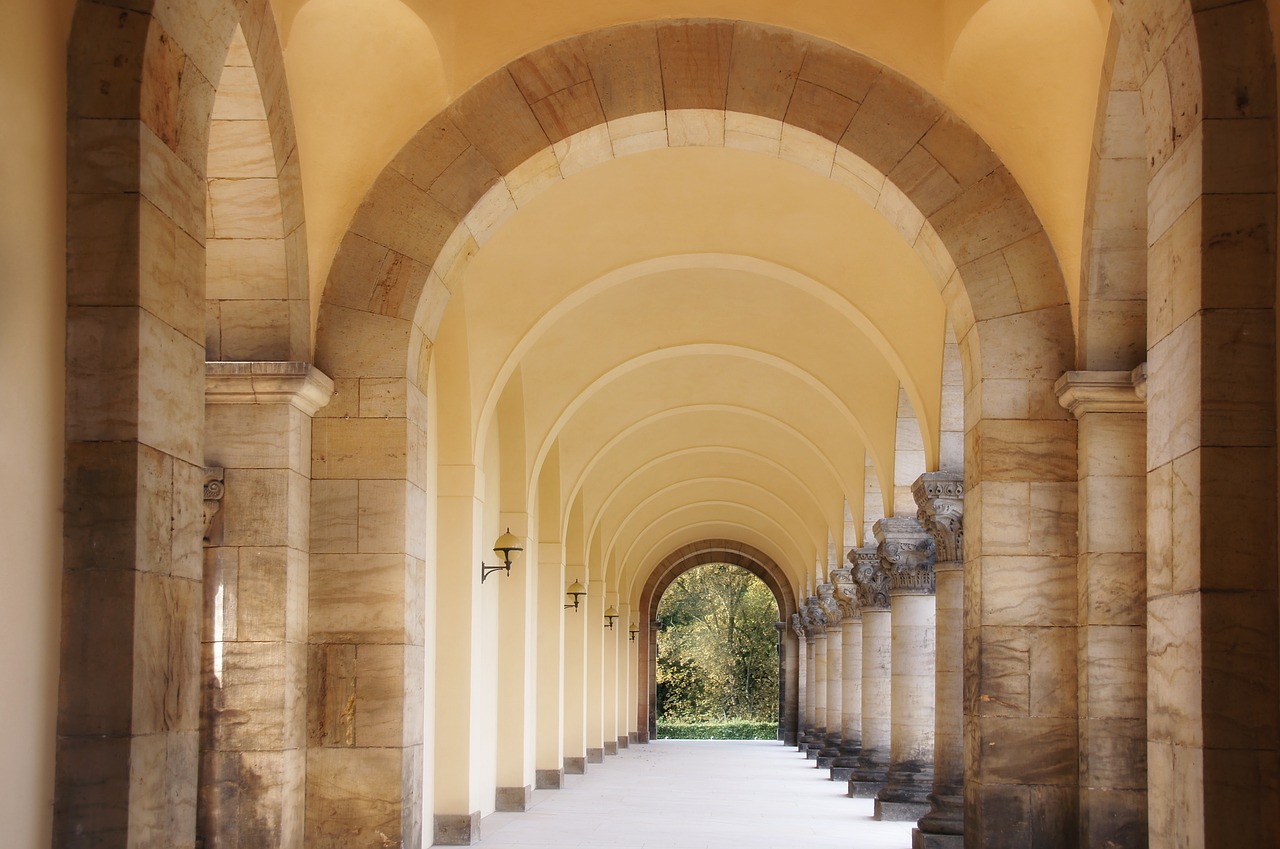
[(634, 630), (576, 591), (610, 616), (506, 547)]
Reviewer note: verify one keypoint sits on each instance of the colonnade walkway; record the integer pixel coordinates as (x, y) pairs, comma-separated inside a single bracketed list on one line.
[(695, 794)]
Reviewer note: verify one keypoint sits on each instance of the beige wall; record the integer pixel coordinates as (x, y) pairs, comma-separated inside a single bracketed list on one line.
[(32, 239)]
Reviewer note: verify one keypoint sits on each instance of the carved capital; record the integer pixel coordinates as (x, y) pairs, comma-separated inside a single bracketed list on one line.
[(846, 593), (214, 489), (871, 579), (797, 625), (815, 620), (908, 554), (830, 608), (940, 510)]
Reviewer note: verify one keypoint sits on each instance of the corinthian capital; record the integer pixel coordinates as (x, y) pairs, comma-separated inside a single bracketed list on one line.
[(907, 553), (814, 617), (940, 502), (871, 578), (846, 593), (830, 609)]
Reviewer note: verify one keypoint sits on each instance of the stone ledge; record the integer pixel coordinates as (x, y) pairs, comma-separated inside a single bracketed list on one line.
[(1082, 392), (300, 384)]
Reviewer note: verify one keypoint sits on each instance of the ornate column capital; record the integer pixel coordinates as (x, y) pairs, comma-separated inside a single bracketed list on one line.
[(797, 625), (871, 579), (940, 510), (846, 594), (830, 608), (908, 554), (815, 620)]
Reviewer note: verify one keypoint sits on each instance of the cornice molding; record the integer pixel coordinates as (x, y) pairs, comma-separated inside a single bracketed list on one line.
[(1082, 392), (301, 385)]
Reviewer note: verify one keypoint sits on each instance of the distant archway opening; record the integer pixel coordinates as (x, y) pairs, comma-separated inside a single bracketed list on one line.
[(716, 552), (717, 673)]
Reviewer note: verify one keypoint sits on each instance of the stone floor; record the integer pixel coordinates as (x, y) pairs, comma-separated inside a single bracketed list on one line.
[(687, 794)]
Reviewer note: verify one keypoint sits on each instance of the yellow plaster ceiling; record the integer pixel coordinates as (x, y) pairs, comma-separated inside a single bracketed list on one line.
[(364, 74)]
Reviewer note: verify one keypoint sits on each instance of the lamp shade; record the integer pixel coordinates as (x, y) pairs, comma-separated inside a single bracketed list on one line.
[(576, 589), (507, 545)]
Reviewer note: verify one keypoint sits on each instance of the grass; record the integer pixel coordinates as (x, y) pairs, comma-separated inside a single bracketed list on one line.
[(732, 730)]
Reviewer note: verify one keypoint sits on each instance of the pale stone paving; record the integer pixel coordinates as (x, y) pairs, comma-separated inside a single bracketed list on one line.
[(694, 794)]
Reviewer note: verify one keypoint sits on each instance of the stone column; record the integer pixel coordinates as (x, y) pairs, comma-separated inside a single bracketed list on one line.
[(1112, 609), (940, 499), (803, 699), (835, 668), (846, 595), (253, 732), (873, 600), (909, 554), (818, 637)]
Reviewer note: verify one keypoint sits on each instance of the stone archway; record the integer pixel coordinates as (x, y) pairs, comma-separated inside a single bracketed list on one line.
[(535, 122), (676, 564)]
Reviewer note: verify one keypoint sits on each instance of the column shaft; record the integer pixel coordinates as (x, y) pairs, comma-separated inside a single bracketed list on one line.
[(940, 498), (910, 777), (877, 695)]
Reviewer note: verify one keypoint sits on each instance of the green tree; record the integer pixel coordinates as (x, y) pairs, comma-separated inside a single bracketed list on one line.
[(717, 650)]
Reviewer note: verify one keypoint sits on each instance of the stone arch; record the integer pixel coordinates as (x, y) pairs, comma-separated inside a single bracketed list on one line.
[(257, 298), (676, 564), (141, 87), (634, 87)]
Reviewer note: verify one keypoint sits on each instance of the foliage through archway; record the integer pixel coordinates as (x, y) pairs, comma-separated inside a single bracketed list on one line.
[(717, 655)]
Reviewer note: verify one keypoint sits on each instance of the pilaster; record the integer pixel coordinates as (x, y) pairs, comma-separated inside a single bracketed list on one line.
[(253, 757), (1112, 604)]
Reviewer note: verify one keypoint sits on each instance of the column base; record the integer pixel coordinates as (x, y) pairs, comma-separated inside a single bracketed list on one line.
[(889, 811), (611, 747), (575, 766), (595, 756), (870, 775), (513, 799), (548, 779), (623, 742), (841, 773), (634, 737), (790, 738), (926, 840), (945, 816), (455, 829)]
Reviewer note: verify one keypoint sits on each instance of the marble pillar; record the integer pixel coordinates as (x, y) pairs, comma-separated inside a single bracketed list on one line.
[(908, 553), (253, 730), (818, 637), (1112, 656), (873, 600), (940, 499), (835, 669), (846, 596)]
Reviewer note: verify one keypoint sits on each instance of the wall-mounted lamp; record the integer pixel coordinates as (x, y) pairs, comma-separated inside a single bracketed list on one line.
[(575, 592), (506, 547), (610, 616), (635, 629)]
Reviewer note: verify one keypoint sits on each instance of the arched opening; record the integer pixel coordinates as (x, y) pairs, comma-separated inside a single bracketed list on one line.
[(718, 662)]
